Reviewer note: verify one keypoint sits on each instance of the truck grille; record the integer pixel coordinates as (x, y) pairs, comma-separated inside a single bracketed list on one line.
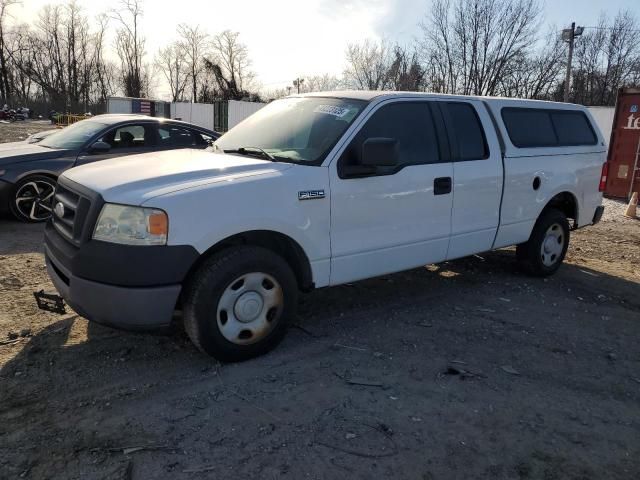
[(69, 219)]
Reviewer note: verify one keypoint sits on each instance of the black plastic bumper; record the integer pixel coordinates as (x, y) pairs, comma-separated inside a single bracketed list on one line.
[(6, 192), (122, 265), (124, 286)]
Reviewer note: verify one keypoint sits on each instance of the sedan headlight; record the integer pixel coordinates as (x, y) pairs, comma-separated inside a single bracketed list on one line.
[(131, 225)]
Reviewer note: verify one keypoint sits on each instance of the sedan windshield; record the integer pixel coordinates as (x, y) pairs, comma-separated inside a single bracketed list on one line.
[(74, 136), (300, 130)]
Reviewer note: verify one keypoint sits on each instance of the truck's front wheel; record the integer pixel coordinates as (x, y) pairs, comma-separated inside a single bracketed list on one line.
[(547, 246), (239, 302)]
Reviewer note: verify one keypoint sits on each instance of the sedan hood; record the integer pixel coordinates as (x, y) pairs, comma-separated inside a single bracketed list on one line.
[(17, 152), (138, 178)]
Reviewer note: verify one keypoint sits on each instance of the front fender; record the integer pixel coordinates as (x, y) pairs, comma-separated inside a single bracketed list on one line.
[(53, 168), (204, 216)]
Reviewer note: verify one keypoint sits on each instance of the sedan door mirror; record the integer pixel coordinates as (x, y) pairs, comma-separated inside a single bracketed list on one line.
[(99, 147), (380, 152)]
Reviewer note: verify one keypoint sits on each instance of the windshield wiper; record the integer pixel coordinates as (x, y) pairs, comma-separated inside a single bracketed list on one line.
[(253, 151)]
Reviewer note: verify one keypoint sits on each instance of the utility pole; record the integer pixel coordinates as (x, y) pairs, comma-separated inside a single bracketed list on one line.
[(569, 35), (297, 82)]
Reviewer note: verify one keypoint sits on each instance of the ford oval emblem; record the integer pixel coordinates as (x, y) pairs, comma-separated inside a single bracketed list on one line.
[(59, 209)]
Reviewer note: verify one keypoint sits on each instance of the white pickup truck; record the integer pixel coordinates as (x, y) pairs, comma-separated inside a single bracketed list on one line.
[(313, 191)]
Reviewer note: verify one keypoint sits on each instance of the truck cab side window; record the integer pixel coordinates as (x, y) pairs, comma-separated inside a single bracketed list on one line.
[(468, 131), (410, 124)]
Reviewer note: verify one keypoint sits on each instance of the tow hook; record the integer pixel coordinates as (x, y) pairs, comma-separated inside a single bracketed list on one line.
[(50, 302)]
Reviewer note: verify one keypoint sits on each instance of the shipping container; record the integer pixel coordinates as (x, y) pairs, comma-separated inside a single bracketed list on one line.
[(624, 147), (143, 106), (119, 105)]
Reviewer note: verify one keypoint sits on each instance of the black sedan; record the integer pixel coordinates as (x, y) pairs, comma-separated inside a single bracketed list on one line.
[(28, 172)]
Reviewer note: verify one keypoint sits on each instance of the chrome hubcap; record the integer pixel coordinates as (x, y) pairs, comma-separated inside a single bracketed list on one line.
[(552, 245), (249, 308), (33, 199)]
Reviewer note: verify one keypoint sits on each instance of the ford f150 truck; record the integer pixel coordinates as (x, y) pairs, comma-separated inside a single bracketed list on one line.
[(313, 191)]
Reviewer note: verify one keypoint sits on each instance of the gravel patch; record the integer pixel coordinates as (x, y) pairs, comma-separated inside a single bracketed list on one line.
[(614, 211)]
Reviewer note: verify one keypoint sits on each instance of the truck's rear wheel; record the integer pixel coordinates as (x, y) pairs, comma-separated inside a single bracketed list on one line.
[(543, 254), (239, 302)]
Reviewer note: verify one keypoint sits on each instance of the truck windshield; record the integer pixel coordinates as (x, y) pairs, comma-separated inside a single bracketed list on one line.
[(300, 130), (74, 136)]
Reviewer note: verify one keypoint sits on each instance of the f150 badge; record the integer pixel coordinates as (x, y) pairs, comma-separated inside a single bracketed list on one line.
[(310, 194)]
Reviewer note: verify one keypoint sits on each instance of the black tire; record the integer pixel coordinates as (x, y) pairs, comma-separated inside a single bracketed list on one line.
[(530, 254), (203, 319), (42, 195)]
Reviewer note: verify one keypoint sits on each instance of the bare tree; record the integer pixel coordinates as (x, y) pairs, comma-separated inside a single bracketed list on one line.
[(60, 61), (47, 53), (536, 75), (621, 55), (470, 44), (368, 65), (130, 45), (150, 80), (194, 45), (104, 72), (5, 71), (320, 83), (20, 85), (405, 72), (232, 56), (438, 50), (607, 57), (173, 63)]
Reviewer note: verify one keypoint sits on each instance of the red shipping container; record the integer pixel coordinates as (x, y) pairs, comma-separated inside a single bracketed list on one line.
[(624, 147)]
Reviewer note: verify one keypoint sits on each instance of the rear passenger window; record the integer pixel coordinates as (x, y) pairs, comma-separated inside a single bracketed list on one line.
[(573, 128), (472, 144), (172, 136), (129, 136), (531, 128), (411, 124)]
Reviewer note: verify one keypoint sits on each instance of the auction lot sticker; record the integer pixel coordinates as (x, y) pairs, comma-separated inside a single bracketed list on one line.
[(332, 110)]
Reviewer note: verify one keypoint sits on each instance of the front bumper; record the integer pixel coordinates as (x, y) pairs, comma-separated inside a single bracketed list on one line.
[(6, 194), (129, 287), (131, 308)]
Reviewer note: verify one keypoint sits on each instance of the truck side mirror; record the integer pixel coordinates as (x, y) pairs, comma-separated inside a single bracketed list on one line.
[(99, 147), (379, 152)]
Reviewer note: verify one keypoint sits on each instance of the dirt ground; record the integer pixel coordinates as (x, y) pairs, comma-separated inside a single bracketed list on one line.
[(466, 370), (20, 130)]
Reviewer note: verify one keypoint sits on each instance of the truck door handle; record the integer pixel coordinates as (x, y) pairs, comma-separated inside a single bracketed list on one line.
[(442, 185)]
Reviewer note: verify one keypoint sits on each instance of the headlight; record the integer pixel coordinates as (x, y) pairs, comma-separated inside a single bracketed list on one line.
[(131, 225)]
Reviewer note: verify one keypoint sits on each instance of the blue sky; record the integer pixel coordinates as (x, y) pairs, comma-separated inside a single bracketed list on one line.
[(401, 24), (287, 38)]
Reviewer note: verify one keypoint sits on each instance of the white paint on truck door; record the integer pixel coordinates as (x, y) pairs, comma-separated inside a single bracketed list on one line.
[(477, 175), (392, 220)]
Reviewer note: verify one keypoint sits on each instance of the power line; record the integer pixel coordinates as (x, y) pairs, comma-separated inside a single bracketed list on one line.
[(634, 30)]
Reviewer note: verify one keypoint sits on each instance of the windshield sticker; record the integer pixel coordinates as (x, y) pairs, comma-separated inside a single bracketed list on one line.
[(332, 110)]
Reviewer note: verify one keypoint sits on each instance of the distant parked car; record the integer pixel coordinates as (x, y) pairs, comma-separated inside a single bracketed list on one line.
[(38, 137), (28, 171)]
